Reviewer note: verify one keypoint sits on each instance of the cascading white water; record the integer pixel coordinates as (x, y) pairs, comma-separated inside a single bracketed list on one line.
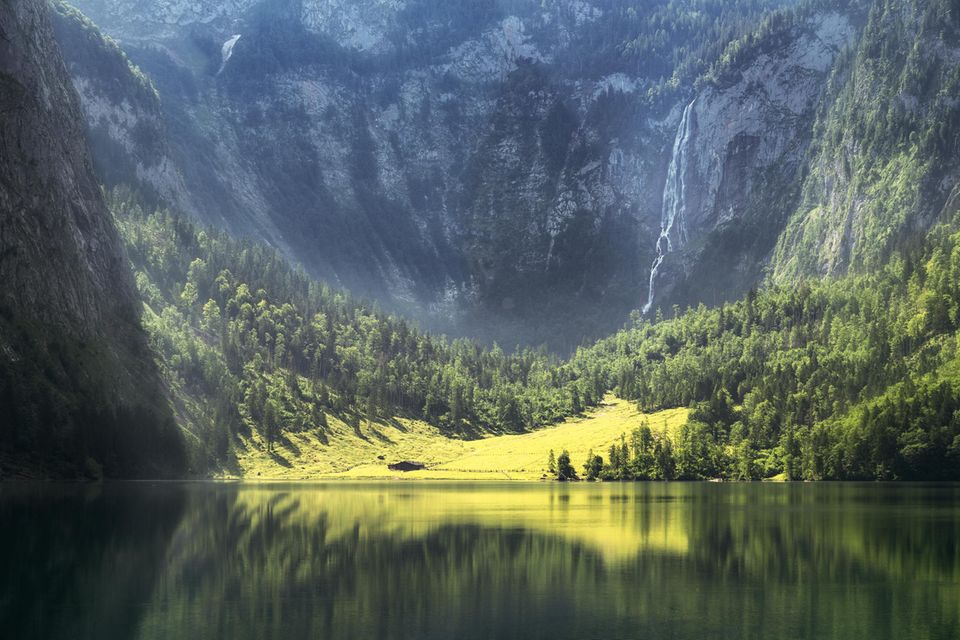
[(672, 215), (226, 52)]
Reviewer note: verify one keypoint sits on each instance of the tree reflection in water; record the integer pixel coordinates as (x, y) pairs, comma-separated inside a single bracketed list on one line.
[(485, 561)]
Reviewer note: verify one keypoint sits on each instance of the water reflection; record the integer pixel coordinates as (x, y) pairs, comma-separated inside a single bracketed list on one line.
[(80, 562), (482, 561)]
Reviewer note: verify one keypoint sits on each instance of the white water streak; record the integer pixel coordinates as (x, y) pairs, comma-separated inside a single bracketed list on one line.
[(227, 51), (672, 219)]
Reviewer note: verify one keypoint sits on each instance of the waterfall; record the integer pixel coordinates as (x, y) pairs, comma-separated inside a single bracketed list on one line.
[(672, 222), (226, 51)]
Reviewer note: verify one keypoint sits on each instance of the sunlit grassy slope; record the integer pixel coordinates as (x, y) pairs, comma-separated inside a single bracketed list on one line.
[(341, 452)]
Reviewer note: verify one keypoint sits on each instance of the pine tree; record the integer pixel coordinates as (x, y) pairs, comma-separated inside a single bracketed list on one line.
[(565, 470), (593, 466)]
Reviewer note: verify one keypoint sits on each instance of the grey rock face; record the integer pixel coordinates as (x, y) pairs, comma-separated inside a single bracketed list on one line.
[(122, 110), (61, 253), (749, 134), (760, 119), (75, 362), (462, 167), (886, 166), (164, 17)]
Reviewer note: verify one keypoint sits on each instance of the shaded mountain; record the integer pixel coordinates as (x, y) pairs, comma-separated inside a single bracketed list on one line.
[(531, 172), (495, 168), (885, 165), (79, 393)]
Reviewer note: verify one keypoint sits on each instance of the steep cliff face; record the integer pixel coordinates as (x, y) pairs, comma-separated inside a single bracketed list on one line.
[(498, 168), (78, 392), (735, 170), (125, 128), (886, 161)]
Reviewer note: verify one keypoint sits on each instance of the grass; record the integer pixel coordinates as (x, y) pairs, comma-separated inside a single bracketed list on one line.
[(342, 453)]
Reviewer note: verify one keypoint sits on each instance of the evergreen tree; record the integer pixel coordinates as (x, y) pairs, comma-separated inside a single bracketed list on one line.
[(565, 470), (593, 466)]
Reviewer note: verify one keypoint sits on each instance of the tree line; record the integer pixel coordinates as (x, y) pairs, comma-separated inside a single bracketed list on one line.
[(248, 342), (855, 377)]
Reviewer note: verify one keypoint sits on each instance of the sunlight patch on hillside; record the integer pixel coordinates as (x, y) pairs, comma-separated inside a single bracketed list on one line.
[(347, 454)]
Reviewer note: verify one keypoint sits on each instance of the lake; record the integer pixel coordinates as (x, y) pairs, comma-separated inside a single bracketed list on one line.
[(472, 560)]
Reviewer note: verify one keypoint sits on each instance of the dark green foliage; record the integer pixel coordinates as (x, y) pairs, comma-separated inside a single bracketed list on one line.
[(618, 466), (565, 470), (68, 412), (593, 466), (250, 343), (851, 378), (652, 456)]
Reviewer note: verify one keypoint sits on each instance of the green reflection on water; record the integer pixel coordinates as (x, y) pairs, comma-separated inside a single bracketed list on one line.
[(481, 561)]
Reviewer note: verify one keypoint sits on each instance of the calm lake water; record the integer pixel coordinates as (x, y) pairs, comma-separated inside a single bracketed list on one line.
[(428, 560)]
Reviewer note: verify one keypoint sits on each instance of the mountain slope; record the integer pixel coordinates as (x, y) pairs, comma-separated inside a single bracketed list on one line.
[(532, 172), (78, 390), (856, 377), (125, 126), (498, 173), (738, 160), (886, 157), (852, 377), (255, 351)]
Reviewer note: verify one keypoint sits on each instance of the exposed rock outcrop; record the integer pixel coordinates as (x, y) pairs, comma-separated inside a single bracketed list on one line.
[(125, 127), (743, 151)]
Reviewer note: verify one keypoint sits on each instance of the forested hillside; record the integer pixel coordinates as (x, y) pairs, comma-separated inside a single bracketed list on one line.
[(885, 161), (847, 378), (850, 378), (247, 342), (855, 376)]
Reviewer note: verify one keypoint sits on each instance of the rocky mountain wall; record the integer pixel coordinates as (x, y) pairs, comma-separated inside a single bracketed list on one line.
[(497, 169), (79, 393)]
